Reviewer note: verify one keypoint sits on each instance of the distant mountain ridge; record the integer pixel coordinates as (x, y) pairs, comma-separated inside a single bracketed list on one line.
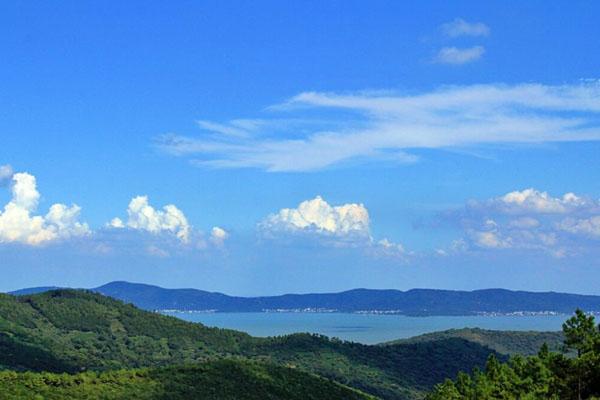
[(414, 302), (33, 290)]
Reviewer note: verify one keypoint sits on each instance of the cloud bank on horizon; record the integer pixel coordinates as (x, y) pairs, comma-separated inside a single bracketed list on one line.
[(525, 220), (19, 223), (386, 127)]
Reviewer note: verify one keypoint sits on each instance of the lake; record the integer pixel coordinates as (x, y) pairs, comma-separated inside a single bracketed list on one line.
[(365, 328)]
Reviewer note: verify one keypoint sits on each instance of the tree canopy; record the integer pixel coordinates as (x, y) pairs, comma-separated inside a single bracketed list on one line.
[(547, 375)]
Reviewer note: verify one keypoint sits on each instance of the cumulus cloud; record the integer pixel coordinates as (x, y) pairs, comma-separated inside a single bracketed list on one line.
[(531, 219), (345, 225), (460, 27), (584, 226), (6, 173), (492, 240), (458, 56), (218, 235), (116, 223), (386, 126), (18, 224), (318, 216), (533, 201), (142, 216)]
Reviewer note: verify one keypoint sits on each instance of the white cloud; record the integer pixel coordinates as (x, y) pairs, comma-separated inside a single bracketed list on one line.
[(504, 237), (458, 56), (585, 226), (318, 216), (218, 235), (342, 226), (533, 201), (142, 216), (388, 248), (65, 220), (531, 219), (491, 239), (163, 231), (387, 126), (17, 224), (6, 173), (116, 223), (460, 27)]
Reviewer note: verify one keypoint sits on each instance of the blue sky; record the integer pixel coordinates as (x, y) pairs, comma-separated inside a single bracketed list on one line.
[(309, 146)]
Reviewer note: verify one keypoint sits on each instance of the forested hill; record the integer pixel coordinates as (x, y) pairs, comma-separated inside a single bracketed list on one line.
[(213, 380), (415, 302), (504, 342), (73, 331)]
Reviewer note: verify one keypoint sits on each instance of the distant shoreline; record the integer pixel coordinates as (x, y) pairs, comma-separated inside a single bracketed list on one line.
[(414, 302), (374, 312)]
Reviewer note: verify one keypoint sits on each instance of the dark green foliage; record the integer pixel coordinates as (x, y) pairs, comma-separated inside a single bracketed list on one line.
[(504, 342), (546, 375), (580, 332), (402, 371), (73, 330), (216, 380)]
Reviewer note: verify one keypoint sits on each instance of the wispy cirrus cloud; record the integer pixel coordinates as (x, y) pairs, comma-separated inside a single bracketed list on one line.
[(458, 56), (386, 126)]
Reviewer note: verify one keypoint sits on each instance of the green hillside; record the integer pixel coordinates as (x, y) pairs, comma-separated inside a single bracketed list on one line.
[(215, 380), (69, 331), (74, 331), (545, 376), (504, 342)]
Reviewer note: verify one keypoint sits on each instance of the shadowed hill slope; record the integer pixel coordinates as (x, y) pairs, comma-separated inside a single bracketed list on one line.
[(504, 342)]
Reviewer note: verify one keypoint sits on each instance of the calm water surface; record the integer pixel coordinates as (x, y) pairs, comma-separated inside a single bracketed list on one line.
[(364, 328)]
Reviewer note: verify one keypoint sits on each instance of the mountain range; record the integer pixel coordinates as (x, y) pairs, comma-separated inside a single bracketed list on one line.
[(414, 302)]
